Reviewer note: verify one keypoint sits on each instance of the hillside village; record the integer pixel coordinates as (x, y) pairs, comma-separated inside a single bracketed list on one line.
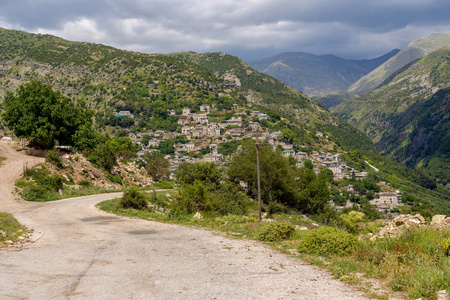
[(202, 140)]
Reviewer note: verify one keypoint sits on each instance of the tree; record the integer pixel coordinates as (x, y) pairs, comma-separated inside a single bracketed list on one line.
[(314, 193), (166, 147), (106, 156), (44, 116), (156, 165), (123, 147), (206, 172), (277, 176)]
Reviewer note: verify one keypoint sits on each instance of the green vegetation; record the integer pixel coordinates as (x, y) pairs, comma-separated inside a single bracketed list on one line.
[(39, 184), (156, 165), (44, 116), (10, 229), (276, 231), (327, 241), (133, 199)]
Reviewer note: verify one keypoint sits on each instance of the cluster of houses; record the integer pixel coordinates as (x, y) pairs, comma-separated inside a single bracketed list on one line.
[(201, 133)]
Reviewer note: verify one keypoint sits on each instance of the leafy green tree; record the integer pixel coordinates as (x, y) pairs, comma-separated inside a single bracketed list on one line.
[(145, 139), (156, 165), (88, 138), (207, 172), (166, 147), (44, 116), (308, 164), (123, 147), (277, 176), (314, 193), (106, 156)]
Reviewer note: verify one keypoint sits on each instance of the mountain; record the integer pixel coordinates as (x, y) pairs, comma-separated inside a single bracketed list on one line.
[(414, 51), (408, 116), (149, 85), (317, 75)]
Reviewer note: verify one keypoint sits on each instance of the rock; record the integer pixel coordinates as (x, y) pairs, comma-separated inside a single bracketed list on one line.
[(420, 218), (301, 228), (438, 219), (411, 223), (398, 221), (9, 242), (268, 220), (197, 216), (2, 233), (442, 295)]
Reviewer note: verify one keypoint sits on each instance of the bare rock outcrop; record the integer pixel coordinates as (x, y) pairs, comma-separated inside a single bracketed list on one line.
[(395, 226)]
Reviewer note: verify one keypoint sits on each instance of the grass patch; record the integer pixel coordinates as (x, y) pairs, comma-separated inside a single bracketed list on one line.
[(10, 229)]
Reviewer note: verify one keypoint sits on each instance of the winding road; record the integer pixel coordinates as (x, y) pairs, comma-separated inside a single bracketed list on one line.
[(83, 253)]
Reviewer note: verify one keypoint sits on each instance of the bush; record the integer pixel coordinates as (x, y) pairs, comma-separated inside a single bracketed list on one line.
[(133, 199), (84, 183), (114, 178), (276, 231), (38, 193), (53, 157), (165, 185), (328, 240)]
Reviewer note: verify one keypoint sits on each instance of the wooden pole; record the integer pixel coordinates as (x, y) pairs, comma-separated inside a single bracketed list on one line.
[(259, 178)]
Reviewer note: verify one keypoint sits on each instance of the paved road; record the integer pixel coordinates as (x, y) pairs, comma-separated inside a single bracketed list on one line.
[(83, 253)]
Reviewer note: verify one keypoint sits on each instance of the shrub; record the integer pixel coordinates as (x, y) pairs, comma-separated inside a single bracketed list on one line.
[(114, 178), (328, 240), (84, 183), (133, 199), (53, 157), (276, 231), (38, 193), (350, 219)]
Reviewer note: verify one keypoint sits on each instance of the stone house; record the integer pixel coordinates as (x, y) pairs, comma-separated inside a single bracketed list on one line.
[(254, 126), (235, 121), (263, 117), (200, 118), (186, 112), (213, 130), (389, 199), (205, 108), (183, 121), (186, 130), (287, 153)]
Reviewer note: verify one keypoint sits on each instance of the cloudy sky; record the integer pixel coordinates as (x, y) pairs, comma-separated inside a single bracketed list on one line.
[(250, 29)]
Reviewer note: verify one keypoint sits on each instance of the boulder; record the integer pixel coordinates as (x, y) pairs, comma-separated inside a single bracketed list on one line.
[(420, 218), (438, 219), (442, 295)]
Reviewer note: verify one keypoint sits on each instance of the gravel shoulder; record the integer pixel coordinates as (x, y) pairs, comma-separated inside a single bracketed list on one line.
[(83, 253)]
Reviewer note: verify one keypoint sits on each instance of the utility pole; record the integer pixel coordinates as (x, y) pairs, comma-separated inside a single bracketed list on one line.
[(259, 178)]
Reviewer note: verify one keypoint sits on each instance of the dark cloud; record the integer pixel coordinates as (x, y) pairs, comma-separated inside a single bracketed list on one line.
[(248, 28)]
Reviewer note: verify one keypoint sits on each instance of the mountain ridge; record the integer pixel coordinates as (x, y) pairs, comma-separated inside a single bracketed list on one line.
[(317, 75), (415, 50), (408, 116)]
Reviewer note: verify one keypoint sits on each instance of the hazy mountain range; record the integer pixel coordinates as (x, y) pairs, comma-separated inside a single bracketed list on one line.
[(316, 75)]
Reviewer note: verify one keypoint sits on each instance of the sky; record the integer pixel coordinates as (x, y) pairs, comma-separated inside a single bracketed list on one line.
[(250, 29)]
